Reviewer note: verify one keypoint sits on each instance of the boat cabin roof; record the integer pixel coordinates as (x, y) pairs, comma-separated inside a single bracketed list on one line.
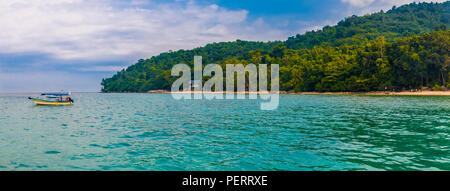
[(55, 94)]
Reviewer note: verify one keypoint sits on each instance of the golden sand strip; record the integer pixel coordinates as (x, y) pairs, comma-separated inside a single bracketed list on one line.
[(220, 92), (419, 93)]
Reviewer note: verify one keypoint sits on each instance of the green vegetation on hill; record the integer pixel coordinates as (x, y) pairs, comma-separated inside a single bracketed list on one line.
[(397, 22), (392, 50)]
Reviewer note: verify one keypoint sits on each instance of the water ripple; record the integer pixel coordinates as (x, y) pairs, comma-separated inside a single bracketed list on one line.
[(156, 132)]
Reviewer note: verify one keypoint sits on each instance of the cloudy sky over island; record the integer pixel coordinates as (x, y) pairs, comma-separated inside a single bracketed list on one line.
[(48, 45)]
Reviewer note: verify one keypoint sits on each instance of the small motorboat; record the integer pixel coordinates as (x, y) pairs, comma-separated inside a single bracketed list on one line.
[(53, 99)]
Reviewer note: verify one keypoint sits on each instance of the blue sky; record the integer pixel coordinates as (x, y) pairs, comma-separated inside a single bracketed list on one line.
[(72, 44)]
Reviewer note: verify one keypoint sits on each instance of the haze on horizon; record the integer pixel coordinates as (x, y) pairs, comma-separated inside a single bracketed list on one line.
[(73, 44)]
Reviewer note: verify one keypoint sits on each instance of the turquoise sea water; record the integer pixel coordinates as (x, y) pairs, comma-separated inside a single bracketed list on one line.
[(156, 132)]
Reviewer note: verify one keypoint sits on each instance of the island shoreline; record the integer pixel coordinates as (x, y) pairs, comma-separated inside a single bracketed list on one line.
[(405, 93)]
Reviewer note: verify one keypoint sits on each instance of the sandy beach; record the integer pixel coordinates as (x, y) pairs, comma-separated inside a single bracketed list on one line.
[(418, 93)]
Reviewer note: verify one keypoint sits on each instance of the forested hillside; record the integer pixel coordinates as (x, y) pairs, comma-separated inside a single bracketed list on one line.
[(397, 22), (406, 47)]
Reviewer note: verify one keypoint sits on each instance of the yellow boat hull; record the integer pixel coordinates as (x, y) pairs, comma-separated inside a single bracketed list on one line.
[(57, 103)]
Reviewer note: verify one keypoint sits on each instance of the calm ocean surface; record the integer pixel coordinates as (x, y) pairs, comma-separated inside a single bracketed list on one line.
[(156, 132)]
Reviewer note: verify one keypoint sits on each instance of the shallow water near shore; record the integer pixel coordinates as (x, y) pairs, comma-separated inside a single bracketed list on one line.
[(156, 132)]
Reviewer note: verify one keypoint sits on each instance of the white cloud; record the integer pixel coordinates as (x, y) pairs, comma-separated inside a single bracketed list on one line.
[(358, 3), (102, 68), (101, 30)]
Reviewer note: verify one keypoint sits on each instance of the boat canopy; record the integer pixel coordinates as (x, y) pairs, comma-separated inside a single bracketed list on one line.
[(55, 94)]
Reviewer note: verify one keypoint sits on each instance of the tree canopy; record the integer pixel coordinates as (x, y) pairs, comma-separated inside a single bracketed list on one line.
[(406, 47)]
